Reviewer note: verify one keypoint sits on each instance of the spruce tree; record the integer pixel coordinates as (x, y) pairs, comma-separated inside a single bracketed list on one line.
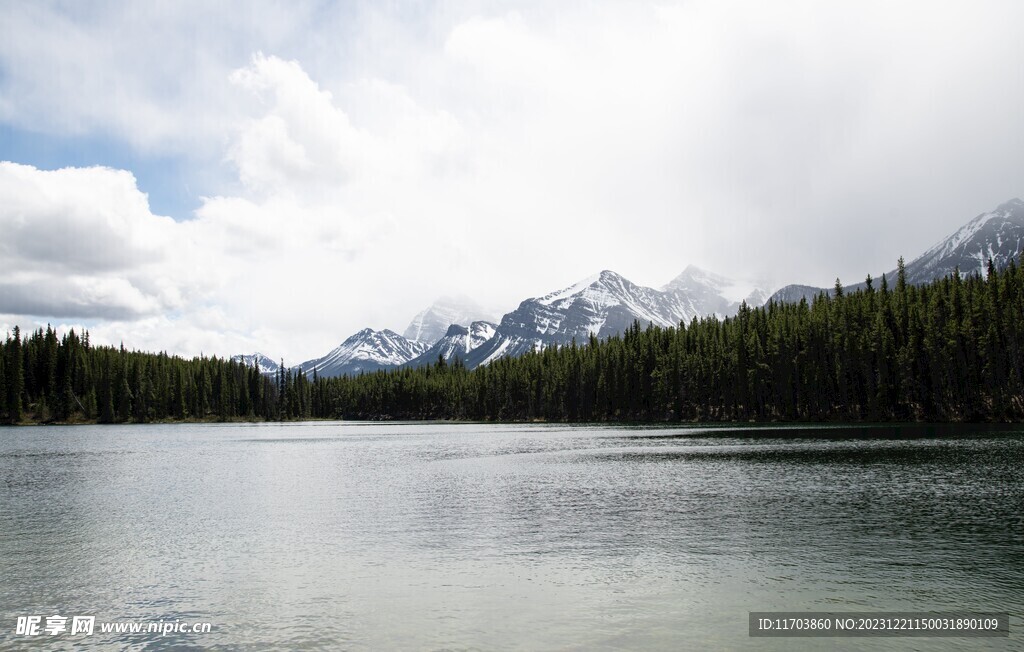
[(15, 376)]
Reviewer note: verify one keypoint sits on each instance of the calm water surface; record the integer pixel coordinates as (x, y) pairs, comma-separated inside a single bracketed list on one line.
[(430, 536)]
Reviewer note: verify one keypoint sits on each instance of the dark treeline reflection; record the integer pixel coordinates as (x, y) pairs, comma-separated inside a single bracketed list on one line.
[(947, 351)]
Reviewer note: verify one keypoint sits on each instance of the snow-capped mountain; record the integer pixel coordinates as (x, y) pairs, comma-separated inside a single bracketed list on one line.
[(607, 304), (996, 235), (367, 350), (602, 304), (456, 343), (265, 364), (431, 324)]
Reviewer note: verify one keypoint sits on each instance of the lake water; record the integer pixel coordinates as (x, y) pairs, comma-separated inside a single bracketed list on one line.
[(440, 536)]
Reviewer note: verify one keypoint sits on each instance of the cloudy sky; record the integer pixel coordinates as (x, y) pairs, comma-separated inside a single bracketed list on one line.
[(226, 177)]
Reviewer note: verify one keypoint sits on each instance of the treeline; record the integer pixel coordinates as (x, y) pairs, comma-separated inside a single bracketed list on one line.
[(947, 351), (46, 379)]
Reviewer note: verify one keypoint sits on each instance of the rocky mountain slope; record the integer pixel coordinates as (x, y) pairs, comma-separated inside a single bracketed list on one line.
[(368, 350), (457, 343), (607, 304)]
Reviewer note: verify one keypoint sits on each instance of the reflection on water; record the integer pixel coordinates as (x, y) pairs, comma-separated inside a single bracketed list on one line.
[(327, 536)]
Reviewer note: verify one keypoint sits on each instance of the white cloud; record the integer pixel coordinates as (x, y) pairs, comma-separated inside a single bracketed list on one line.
[(505, 50), (77, 220), (75, 296), (301, 142), (82, 242)]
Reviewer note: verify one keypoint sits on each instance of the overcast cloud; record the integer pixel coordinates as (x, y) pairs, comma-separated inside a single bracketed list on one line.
[(357, 163)]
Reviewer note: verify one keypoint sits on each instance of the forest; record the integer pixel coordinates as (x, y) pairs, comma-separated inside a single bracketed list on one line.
[(947, 351)]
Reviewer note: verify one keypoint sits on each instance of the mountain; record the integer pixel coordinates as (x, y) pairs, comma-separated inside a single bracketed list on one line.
[(607, 304), (367, 350), (502, 345), (699, 292), (997, 235), (432, 324), (265, 364), (793, 293), (457, 342), (601, 305)]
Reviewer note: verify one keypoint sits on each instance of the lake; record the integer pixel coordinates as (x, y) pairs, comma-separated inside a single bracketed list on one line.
[(520, 537)]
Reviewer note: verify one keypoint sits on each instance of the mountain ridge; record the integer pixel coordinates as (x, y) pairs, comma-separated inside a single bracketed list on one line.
[(607, 303), (365, 351), (458, 342), (601, 305)]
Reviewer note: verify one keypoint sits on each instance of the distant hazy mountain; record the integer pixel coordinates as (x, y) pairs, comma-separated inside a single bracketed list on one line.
[(607, 304), (265, 364), (431, 324), (458, 342), (793, 294), (367, 350), (697, 292), (996, 235)]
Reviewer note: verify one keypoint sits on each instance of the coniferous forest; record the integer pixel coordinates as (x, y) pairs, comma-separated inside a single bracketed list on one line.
[(952, 350)]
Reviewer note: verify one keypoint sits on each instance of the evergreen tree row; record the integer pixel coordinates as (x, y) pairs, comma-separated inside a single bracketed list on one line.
[(952, 350), (43, 379)]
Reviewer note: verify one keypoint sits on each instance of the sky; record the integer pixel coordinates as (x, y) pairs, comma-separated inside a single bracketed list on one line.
[(222, 177)]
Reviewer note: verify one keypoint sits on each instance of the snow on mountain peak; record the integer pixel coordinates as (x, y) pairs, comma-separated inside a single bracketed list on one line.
[(608, 303), (366, 350), (265, 364), (455, 331), (572, 290), (458, 342), (997, 235), (481, 331)]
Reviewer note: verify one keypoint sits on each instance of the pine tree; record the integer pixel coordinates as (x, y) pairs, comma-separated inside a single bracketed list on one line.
[(15, 376)]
